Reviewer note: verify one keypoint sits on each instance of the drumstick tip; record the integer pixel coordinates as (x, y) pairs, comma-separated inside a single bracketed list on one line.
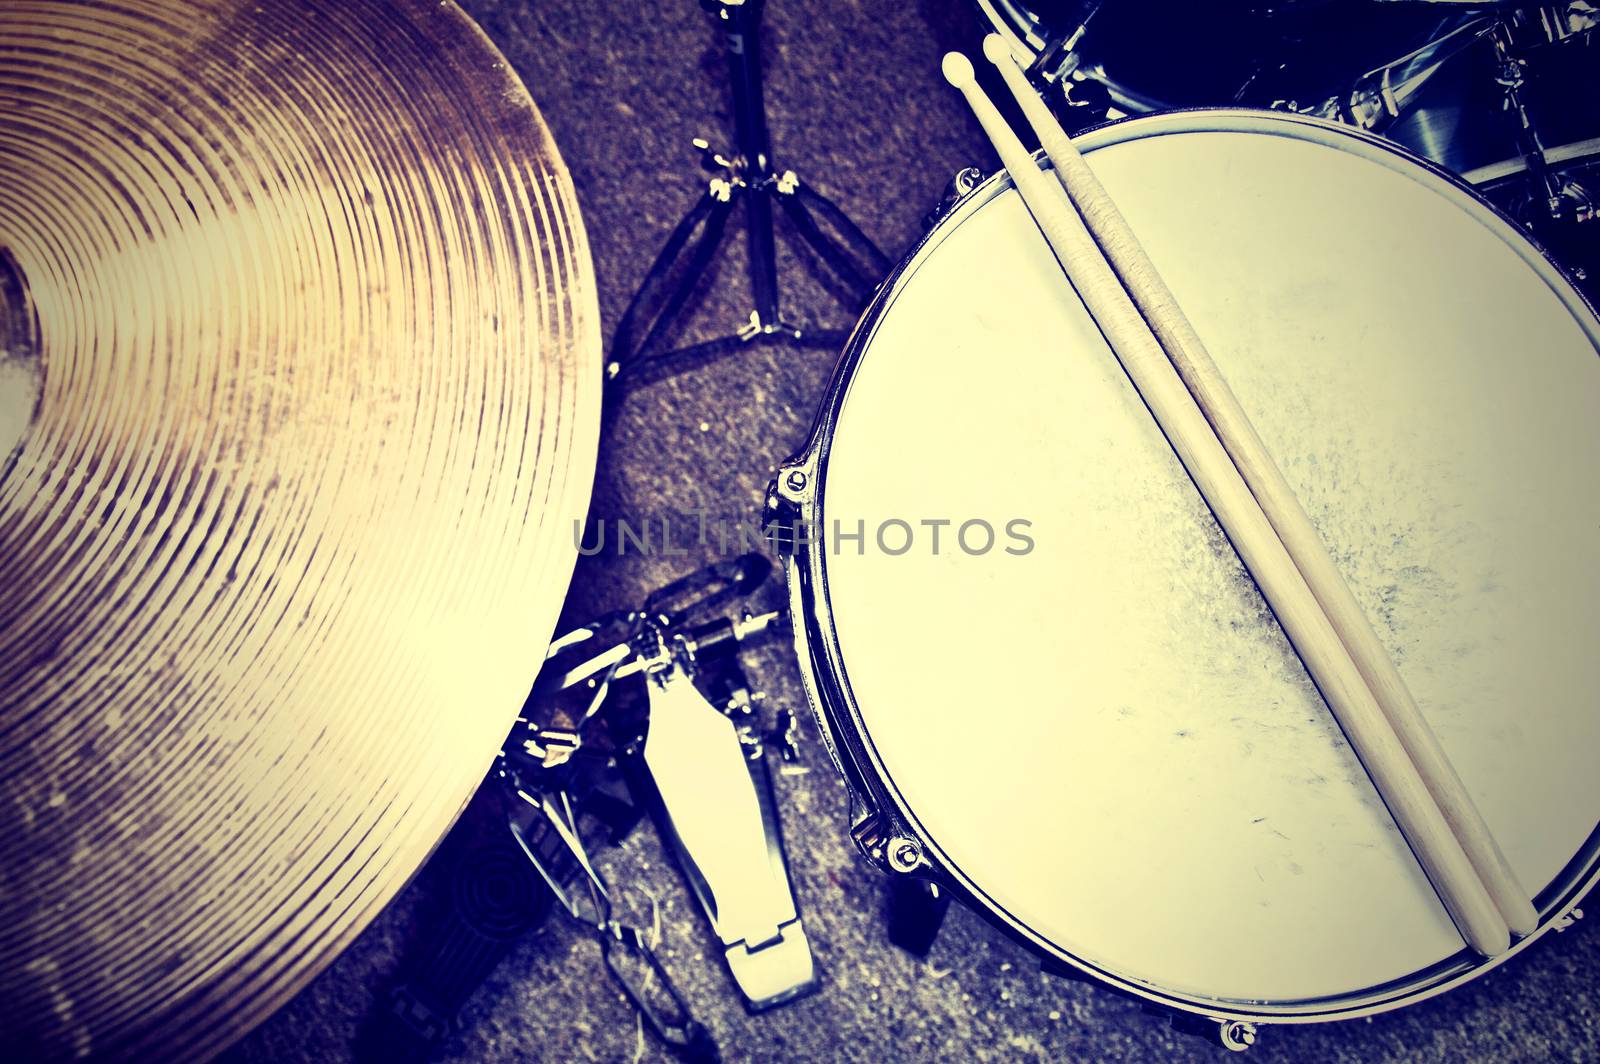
[(958, 70), (996, 50)]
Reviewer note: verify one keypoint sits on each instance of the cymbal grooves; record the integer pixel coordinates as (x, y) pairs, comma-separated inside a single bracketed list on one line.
[(291, 525)]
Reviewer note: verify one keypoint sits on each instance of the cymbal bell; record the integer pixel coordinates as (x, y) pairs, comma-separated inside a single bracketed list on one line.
[(299, 403)]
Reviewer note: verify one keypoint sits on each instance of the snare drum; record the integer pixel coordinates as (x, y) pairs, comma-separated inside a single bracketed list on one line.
[(1088, 725)]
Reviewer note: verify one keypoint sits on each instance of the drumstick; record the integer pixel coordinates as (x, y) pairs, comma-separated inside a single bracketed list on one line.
[(1249, 454), (1241, 517)]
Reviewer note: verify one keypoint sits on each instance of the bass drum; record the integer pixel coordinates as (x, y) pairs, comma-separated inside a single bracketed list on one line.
[(1088, 725), (1432, 76), (1161, 55)]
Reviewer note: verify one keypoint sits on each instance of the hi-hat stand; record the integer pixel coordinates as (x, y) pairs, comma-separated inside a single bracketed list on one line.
[(746, 177)]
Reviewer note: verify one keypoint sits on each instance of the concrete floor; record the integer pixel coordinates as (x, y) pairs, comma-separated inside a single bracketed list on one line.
[(858, 108)]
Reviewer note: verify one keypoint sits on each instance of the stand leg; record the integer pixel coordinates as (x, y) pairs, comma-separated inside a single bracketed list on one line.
[(830, 252), (835, 216), (741, 21), (749, 174), (712, 210), (699, 259)]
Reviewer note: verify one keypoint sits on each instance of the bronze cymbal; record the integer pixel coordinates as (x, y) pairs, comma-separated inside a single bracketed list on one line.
[(299, 402)]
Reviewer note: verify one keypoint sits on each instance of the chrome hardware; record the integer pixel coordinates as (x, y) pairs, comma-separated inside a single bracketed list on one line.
[(904, 855), (885, 845), (788, 497), (961, 185), (716, 803), (1236, 1035), (794, 482)]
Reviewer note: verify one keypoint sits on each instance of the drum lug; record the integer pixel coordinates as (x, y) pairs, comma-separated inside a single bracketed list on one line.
[(887, 848), (796, 481), (869, 832), (961, 185), (904, 855), (790, 497), (1236, 1036)]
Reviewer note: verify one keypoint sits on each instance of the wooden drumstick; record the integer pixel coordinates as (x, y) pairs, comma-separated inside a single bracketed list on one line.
[(1266, 481), (1236, 509)]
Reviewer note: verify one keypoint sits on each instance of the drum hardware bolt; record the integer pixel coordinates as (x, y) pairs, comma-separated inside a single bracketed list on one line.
[(796, 480), (965, 180), (711, 160), (904, 855), (1237, 1035)]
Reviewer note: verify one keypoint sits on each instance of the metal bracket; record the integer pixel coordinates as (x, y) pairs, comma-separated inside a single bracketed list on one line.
[(789, 496), (1567, 919), (1236, 1036), (886, 846), (961, 185)]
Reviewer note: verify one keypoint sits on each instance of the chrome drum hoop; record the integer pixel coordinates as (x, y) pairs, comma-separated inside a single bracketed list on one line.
[(883, 826)]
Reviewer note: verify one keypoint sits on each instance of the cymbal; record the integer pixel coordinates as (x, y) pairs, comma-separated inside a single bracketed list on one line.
[(299, 403)]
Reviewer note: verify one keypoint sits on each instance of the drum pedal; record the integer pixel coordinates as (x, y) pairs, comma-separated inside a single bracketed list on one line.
[(694, 755), (702, 772)]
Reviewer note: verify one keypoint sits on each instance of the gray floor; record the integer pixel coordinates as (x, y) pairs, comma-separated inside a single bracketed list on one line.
[(858, 109)]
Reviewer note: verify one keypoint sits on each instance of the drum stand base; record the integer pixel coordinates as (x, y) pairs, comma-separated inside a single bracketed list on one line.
[(749, 178), (916, 913)]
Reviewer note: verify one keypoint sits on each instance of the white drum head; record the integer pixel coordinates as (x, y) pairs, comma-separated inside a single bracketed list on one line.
[(1108, 737)]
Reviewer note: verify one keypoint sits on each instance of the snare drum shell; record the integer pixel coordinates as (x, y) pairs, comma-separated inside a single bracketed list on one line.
[(892, 815)]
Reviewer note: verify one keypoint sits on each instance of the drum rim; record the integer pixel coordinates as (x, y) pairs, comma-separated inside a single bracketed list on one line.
[(882, 822)]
